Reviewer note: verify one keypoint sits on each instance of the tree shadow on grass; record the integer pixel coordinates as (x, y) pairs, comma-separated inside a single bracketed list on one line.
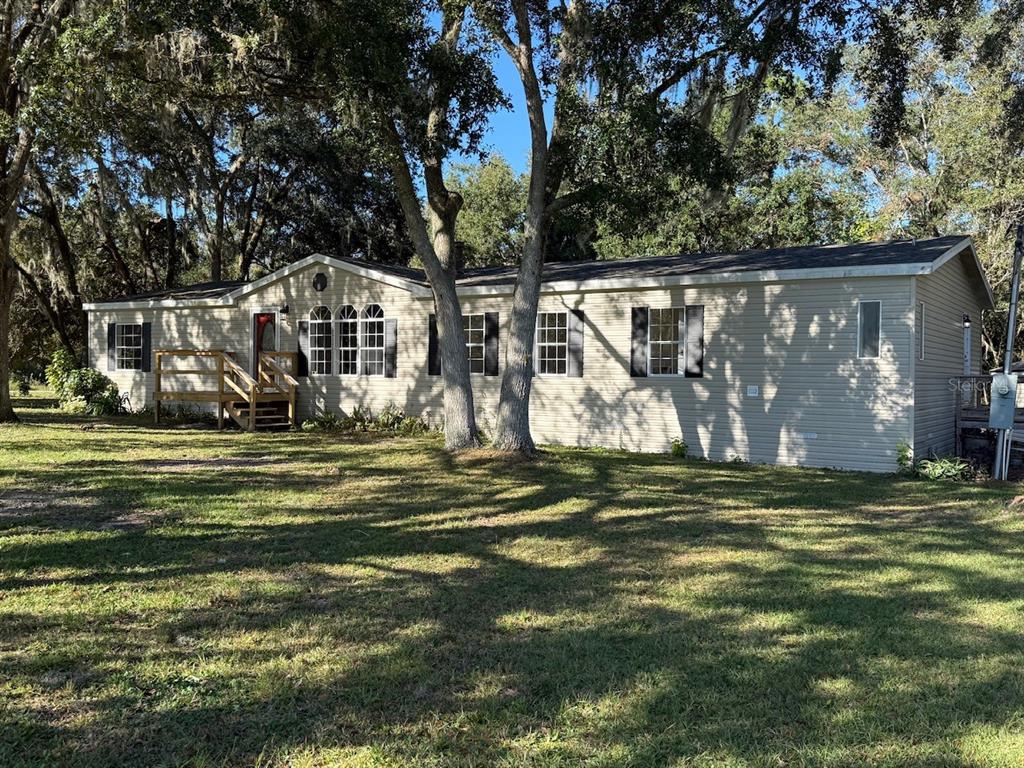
[(591, 606)]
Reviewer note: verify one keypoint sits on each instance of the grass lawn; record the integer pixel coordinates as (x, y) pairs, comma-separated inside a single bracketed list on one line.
[(179, 597)]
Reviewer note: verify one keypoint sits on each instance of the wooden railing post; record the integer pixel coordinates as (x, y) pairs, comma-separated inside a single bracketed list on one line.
[(252, 407), (220, 391), (156, 387)]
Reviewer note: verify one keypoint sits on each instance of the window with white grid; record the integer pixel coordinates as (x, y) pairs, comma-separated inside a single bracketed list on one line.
[(665, 341), (128, 340), (320, 341), (552, 342), (473, 325), (348, 341), (371, 341)]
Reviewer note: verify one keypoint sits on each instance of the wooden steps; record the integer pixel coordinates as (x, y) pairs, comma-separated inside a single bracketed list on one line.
[(265, 417), (264, 401)]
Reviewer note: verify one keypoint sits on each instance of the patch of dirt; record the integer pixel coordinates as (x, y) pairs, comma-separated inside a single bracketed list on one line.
[(192, 465), (68, 508), (18, 503)]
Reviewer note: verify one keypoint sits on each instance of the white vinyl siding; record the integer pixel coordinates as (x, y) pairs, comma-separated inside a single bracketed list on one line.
[(948, 294), (919, 330)]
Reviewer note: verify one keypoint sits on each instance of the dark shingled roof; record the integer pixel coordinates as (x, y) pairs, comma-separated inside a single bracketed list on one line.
[(878, 254), (211, 290), (896, 252)]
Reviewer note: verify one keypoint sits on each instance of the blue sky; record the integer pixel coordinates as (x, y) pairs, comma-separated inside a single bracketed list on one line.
[(509, 133)]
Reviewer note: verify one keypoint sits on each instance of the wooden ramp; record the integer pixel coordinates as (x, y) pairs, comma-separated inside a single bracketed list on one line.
[(213, 376)]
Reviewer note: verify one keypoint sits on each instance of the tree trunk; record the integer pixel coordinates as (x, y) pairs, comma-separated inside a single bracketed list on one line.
[(512, 430), (8, 284), (460, 431), (173, 254)]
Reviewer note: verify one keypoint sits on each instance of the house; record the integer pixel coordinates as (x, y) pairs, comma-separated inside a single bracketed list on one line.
[(820, 355)]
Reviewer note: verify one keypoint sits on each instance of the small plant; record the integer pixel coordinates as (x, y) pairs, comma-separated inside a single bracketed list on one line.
[(947, 468), (328, 421), (361, 419), (679, 448), (83, 390), (22, 384), (392, 420), (904, 457), (389, 419)]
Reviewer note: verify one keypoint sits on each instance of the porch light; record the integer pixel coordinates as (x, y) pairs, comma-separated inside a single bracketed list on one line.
[(284, 310), (967, 321)]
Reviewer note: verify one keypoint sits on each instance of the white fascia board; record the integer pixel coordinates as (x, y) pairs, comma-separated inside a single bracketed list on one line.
[(713, 278), (232, 298)]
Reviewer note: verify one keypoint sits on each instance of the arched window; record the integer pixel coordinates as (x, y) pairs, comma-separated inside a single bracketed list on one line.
[(348, 341), (371, 340), (320, 340)]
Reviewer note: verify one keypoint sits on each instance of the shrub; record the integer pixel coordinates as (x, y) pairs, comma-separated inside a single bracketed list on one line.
[(389, 418), (948, 468), (392, 420), (679, 448), (22, 384), (325, 422), (904, 456), (83, 390)]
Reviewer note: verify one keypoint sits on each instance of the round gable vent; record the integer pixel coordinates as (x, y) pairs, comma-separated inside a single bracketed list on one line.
[(319, 281)]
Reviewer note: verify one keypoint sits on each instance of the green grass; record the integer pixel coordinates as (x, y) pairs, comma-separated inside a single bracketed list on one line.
[(177, 597)]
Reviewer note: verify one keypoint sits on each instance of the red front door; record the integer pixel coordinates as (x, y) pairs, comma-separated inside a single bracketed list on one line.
[(264, 337)]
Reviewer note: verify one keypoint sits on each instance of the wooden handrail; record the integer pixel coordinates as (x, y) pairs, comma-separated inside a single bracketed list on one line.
[(267, 359), (231, 366), (238, 389)]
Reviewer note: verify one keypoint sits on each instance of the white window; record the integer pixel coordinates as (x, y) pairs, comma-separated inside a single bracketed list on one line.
[(128, 346), (552, 342), (371, 340), (320, 341), (665, 341), (348, 341), (869, 329), (919, 330), (473, 325)]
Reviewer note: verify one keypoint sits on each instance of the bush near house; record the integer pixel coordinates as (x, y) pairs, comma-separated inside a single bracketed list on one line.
[(82, 390)]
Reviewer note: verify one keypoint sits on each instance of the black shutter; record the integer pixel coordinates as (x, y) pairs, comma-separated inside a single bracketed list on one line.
[(433, 352), (491, 343), (638, 354), (574, 364), (390, 348), (111, 346), (302, 360), (147, 347), (695, 341)]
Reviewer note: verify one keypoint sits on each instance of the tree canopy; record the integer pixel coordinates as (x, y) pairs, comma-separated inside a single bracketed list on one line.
[(157, 144)]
